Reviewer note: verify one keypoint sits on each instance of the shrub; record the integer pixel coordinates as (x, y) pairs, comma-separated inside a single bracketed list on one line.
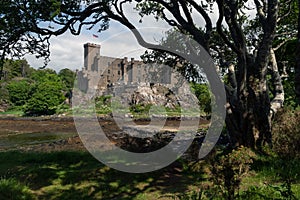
[(286, 134), (19, 92), (203, 94), (140, 108), (268, 192), (46, 98), (103, 104), (228, 170), (286, 143)]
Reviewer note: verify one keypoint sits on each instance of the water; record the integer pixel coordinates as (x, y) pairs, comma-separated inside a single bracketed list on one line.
[(13, 140)]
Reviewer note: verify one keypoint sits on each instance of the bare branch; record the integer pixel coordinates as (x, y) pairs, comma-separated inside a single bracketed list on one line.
[(170, 21), (289, 3), (281, 44), (220, 29), (260, 11), (186, 11), (204, 15)]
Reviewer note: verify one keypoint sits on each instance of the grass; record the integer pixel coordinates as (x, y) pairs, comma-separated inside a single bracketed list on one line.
[(11, 189), (13, 112), (77, 175)]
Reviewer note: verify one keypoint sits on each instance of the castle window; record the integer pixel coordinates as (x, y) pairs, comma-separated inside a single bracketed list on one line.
[(108, 71), (119, 65), (119, 72)]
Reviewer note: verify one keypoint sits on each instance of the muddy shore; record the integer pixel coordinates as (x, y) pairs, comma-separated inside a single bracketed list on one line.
[(63, 128)]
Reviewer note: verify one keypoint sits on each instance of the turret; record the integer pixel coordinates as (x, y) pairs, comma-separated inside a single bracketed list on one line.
[(91, 51)]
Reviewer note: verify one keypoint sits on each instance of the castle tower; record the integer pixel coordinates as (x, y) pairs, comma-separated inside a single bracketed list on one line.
[(91, 55)]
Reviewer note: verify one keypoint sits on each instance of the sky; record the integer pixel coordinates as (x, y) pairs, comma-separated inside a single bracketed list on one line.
[(67, 49)]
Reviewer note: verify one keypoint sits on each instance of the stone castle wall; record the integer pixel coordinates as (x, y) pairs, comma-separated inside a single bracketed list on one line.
[(101, 72), (132, 81)]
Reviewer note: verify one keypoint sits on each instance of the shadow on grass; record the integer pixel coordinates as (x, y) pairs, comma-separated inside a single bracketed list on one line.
[(77, 175), (276, 170)]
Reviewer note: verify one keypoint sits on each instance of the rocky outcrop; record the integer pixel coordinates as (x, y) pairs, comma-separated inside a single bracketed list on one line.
[(158, 94), (154, 95), (4, 105)]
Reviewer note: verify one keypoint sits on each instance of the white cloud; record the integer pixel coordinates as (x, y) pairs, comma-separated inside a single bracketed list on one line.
[(117, 41)]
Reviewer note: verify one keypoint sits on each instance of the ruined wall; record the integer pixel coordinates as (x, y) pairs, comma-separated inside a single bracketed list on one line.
[(101, 72)]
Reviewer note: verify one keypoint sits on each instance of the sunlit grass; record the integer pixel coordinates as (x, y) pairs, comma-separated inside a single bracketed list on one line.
[(13, 112), (11, 189), (77, 175)]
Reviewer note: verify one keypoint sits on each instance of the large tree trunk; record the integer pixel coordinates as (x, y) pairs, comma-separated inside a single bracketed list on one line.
[(277, 101), (251, 106), (297, 68), (239, 118)]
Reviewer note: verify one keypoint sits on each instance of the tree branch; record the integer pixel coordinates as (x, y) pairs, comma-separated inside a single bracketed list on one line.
[(289, 3), (204, 15), (186, 11), (219, 27), (281, 44), (260, 11), (278, 99)]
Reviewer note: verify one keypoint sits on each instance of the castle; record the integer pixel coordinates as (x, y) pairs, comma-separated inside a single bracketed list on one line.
[(101, 72), (133, 81)]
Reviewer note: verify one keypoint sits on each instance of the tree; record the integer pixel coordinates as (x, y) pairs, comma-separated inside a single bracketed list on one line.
[(284, 47), (16, 29), (45, 99), (249, 105), (203, 95), (297, 68), (68, 77), (46, 93), (15, 68), (19, 92)]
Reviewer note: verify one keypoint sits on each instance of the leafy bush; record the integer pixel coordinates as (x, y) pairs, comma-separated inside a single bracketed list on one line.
[(268, 192), (286, 134), (47, 93), (103, 104), (140, 108), (46, 98), (19, 92), (203, 94), (43, 75), (10, 189), (68, 77), (228, 170)]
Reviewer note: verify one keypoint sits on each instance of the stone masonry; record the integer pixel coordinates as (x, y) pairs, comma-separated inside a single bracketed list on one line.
[(100, 72), (132, 80)]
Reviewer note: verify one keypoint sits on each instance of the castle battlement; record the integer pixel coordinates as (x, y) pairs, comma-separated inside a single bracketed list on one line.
[(99, 71)]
